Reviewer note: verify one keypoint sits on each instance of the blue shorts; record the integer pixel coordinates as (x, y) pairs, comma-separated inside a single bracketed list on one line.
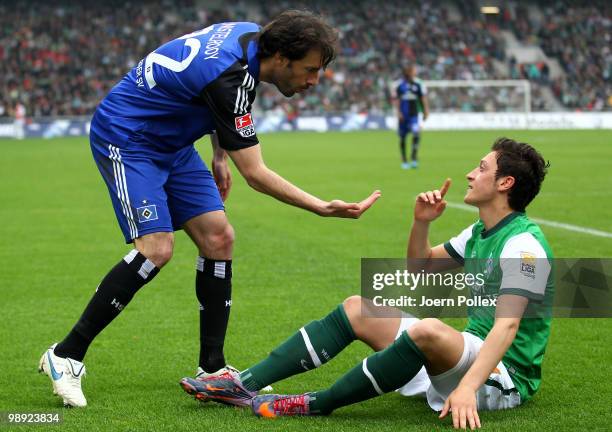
[(409, 124), (153, 191)]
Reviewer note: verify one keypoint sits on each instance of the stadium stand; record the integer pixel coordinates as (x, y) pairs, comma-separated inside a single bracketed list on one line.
[(60, 58), (578, 35)]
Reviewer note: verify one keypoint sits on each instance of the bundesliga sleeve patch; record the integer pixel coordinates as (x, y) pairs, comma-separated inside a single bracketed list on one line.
[(245, 126), (528, 264)]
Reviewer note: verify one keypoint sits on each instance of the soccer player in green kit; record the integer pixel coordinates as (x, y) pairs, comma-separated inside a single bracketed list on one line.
[(495, 363)]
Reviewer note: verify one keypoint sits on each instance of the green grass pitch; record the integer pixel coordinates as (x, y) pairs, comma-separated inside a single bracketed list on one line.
[(59, 237)]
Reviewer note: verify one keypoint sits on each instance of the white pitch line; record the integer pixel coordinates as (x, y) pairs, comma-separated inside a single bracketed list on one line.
[(561, 225)]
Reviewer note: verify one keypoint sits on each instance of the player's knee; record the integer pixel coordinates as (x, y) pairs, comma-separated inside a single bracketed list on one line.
[(426, 332), (221, 240), (352, 308), (157, 247), (162, 254), (225, 238), (357, 309)]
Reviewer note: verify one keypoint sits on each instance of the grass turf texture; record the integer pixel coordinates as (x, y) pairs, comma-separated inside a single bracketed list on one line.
[(59, 237)]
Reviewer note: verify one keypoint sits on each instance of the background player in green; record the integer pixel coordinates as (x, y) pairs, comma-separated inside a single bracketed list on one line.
[(412, 99), (494, 364)]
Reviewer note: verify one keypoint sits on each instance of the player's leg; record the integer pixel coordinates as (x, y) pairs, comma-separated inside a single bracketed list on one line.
[(130, 181), (427, 343), (116, 290), (330, 336), (317, 342), (370, 324), (498, 392), (402, 131), (214, 237), (136, 189), (196, 206), (416, 139), (441, 344), (311, 346)]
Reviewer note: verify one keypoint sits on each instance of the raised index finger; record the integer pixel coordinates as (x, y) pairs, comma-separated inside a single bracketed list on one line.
[(445, 187)]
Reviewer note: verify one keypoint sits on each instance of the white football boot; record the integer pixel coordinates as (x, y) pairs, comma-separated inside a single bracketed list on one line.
[(65, 375), (227, 370)]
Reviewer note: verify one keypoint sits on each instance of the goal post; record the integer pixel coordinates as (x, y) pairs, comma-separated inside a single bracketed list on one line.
[(479, 95)]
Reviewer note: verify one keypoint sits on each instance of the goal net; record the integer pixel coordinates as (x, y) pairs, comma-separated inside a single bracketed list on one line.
[(479, 96)]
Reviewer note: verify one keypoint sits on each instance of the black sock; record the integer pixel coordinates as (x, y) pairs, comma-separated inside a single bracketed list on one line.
[(403, 148), (214, 292), (112, 295), (415, 146)]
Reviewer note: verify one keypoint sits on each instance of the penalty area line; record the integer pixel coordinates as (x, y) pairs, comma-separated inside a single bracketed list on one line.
[(560, 225)]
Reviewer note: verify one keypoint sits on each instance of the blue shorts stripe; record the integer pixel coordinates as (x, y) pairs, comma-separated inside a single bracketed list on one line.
[(122, 192), (127, 196), (116, 178), (119, 186)]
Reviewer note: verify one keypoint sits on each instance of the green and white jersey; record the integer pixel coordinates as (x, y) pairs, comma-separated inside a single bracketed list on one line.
[(514, 258)]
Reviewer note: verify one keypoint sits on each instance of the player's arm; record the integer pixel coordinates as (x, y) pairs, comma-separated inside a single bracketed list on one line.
[(428, 207), (398, 94), (517, 288), (252, 167), (229, 98), (462, 401), (220, 168)]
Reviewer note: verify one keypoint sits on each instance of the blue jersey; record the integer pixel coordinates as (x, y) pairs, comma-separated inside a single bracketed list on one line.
[(189, 87), (410, 94)]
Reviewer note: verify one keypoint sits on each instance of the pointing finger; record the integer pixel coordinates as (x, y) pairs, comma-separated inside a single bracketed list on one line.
[(445, 187)]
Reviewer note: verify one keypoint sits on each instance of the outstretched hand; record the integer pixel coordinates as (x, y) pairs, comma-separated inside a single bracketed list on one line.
[(338, 208), (461, 403), (430, 205)]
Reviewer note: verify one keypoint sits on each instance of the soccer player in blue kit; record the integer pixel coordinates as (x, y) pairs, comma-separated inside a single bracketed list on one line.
[(412, 97), (142, 137)]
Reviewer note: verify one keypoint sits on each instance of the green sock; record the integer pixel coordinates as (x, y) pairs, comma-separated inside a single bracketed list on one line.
[(380, 373), (313, 345)]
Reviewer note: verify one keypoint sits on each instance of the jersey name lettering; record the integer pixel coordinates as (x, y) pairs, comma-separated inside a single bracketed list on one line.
[(216, 39)]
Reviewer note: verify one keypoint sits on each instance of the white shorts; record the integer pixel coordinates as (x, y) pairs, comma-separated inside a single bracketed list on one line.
[(497, 393)]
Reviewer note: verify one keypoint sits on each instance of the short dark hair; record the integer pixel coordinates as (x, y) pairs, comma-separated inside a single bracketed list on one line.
[(526, 165), (295, 32)]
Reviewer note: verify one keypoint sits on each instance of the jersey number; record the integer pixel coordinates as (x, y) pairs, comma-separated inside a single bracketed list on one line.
[(173, 65)]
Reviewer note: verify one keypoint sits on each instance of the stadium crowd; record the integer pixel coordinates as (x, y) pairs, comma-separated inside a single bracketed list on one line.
[(61, 57), (579, 35)]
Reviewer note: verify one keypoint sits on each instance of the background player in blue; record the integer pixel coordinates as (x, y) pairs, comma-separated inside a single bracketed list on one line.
[(412, 98), (142, 137)]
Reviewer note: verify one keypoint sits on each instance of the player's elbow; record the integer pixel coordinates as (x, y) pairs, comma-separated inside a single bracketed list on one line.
[(508, 325), (255, 178)]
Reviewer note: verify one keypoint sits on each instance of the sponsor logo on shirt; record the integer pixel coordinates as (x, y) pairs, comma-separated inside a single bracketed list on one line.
[(244, 125), (528, 264)]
